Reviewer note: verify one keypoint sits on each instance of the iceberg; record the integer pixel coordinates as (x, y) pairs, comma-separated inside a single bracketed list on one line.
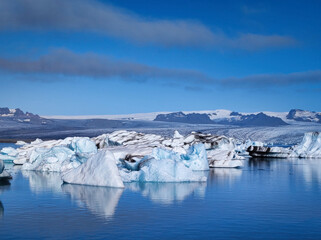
[(241, 148), (124, 144), (8, 154), (55, 155), (310, 147), (167, 166), (99, 170), (165, 170), (271, 152), (4, 175), (56, 159), (83, 147), (196, 151)]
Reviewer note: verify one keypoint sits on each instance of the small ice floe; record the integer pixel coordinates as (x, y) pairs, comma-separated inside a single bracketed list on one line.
[(4, 175)]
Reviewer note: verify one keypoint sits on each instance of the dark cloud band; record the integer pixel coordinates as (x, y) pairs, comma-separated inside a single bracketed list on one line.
[(65, 62), (93, 16)]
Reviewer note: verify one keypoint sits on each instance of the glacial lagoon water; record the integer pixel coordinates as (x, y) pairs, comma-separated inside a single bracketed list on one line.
[(267, 199)]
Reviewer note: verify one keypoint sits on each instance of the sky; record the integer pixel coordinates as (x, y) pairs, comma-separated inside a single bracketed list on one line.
[(94, 57)]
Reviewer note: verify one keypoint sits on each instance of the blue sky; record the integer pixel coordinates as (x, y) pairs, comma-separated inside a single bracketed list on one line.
[(117, 57)]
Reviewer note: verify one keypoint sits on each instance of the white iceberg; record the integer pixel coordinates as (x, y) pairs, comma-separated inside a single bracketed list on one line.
[(165, 170), (56, 159), (55, 155), (8, 154), (125, 144), (167, 166), (310, 147), (98, 170), (83, 146), (21, 143), (195, 158)]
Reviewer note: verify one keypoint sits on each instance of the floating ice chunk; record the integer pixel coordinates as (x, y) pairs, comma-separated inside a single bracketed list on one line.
[(20, 143), (37, 141), (196, 158), (9, 151), (98, 170), (83, 147), (241, 148), (177, 135), (310, 147), (55, 159), (8, 154), (272, 152), (167, 170), (165, 166), (189, 139)]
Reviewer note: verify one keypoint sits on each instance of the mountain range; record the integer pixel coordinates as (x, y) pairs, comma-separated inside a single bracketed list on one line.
[(268, 126)]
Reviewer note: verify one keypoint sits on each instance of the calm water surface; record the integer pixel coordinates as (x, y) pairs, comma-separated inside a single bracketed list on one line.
[(270, 199)]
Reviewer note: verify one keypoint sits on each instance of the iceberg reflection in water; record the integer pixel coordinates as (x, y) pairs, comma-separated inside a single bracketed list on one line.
[(1, 210), (168, 193), (273, 198), (310, 169), (224, 175), (4, 185), (43, 181), (101, 201)]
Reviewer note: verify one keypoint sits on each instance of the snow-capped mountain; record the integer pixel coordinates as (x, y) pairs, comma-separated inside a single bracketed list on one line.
[(18, 115), (229, 118), (304, 116), (196, 118)]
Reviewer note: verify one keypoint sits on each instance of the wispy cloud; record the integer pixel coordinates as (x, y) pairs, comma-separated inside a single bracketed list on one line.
[(68, 63), (65, 62), (272, 80), (94, 16)]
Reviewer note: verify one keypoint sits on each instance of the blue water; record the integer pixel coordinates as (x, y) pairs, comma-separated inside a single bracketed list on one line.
[(271, 199), (2, 145)]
